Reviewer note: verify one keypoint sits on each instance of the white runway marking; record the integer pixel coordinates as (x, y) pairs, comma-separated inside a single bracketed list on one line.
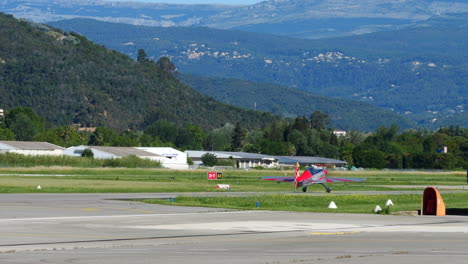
[(119, 216), (253, 226), (278, 226)]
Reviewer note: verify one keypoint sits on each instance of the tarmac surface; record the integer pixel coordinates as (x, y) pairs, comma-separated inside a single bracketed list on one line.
[(106, 228)]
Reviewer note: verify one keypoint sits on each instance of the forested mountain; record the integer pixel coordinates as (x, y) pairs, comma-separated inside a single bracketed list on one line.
[(68, 79), (419, 72), (293, 18), (344, 113)]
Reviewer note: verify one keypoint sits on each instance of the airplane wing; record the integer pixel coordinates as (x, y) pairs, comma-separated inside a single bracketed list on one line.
[(328, 179), (278, 178)]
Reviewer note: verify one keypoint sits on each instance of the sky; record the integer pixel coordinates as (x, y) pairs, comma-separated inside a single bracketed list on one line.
[(225, 2)]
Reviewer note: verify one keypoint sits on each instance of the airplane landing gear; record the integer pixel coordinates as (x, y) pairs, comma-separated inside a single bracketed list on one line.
[(328, 190), (304, 189)]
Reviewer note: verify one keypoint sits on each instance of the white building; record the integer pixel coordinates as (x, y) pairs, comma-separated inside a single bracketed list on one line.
[(168, 157), (173, 158), (243, 160), (101, 152), (31, 148), (339, 133)]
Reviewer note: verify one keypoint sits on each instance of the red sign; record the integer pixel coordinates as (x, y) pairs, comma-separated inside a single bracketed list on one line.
[(214, 175)]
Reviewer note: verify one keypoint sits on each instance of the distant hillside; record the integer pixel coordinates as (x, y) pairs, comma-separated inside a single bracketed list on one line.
[(419, 72), (331, 18), (68, 79), (129, 12), (293, 18), (344, 114)]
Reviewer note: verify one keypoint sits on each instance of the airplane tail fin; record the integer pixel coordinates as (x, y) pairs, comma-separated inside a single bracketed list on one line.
[(296, 175)]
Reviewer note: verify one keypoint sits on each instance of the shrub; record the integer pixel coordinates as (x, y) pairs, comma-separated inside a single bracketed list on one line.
[(226, 162), (87, 153), (209, 159)]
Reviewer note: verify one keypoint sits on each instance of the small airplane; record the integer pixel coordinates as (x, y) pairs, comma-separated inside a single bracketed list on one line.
[(309, 177)]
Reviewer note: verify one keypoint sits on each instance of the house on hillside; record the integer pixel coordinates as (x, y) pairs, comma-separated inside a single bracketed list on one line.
[(243, 160), (340, 133), (31, 148)]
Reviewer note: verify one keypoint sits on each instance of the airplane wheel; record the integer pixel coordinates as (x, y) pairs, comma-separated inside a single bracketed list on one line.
[(304, 189), (328, 190)]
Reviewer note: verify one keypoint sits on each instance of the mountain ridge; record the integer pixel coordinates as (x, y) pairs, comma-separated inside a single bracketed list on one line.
[(416, 71), (294, 18), (344, 114)]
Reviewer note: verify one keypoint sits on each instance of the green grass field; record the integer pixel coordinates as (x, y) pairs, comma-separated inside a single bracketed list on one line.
[(104, 180), (355, 203), (60, 179)]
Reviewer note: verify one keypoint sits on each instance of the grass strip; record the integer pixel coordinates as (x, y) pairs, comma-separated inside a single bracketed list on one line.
[(355, 203), (93, 180)]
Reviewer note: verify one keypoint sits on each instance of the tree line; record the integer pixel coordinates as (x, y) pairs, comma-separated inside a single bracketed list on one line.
[(387, 147)]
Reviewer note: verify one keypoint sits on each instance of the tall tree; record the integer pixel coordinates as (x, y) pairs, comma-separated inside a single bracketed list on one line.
[(64, 136), (167, 67), (319, 120), (238, 137), (24, 123), (142, 57), (165, 130), (104, 136)]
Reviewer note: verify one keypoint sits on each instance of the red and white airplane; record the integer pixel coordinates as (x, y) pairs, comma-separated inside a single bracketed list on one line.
[(309, 177)]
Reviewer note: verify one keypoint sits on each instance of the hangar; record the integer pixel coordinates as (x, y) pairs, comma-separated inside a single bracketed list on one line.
[(173, 158), (168, 157), (245, 160), (101, 152), (30, 148)]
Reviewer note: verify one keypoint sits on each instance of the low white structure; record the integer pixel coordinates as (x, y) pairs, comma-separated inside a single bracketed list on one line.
[(172, 158), (168, 157), (101, 152), (31, 148), (243, 160)]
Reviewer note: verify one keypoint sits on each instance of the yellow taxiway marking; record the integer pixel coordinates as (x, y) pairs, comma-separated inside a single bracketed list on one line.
[(334, 233), (89, 209)]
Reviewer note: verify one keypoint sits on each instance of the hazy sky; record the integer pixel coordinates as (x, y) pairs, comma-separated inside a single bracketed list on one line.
[(226, 2)]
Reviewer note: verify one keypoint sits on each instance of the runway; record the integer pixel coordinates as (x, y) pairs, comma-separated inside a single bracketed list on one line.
[(98, 228)]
